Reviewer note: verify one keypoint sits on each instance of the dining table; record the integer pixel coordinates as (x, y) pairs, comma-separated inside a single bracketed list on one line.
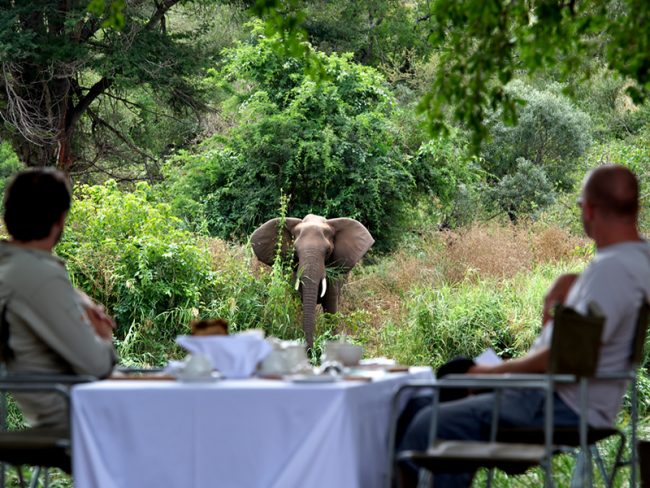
[(235, 433)]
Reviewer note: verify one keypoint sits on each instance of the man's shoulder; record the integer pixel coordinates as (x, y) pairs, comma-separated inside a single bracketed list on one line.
[(25, 268), (630, 254), (621, 266)]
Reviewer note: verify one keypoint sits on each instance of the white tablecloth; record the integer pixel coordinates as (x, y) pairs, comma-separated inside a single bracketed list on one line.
[(233, 433)]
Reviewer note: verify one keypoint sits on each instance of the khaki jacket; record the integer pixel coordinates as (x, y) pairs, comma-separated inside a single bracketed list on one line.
[(48, 329)]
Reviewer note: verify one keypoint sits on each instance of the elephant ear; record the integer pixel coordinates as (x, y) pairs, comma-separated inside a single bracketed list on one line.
[(351, 242), (265, 238)]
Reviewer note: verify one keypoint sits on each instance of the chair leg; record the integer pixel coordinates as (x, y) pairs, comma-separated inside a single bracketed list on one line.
[(490, 477), (582, 471), (618, 462), (424, 479), (21, 478), (36, 473), (595, 455)]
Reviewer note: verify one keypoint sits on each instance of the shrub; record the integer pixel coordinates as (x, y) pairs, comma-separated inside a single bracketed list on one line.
[(523, 192), (552, 133), (130, 253), (9, 165), (330, 146), (444, 172)]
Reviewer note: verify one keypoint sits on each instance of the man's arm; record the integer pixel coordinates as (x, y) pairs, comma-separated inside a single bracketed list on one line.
[(533, 362), (62, 323), (557, 293), (103, 324)]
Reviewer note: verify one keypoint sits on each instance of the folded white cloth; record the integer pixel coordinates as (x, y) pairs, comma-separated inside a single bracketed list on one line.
[(234, 356)]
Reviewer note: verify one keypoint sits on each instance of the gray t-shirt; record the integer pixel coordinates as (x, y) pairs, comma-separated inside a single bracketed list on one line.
[(617, 279), (49, 331)]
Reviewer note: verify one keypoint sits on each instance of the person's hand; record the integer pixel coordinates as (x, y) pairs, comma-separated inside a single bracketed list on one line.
[(557, 293), (97, 316), (480, 369), (103, 324)]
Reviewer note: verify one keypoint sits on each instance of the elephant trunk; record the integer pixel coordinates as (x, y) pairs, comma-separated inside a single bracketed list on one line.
[(311, 276)]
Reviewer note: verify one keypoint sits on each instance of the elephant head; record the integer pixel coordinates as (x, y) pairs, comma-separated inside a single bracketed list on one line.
[(318, 243)]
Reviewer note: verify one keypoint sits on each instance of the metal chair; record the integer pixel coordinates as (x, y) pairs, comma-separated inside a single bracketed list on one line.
[(40, 448), (566, 365)]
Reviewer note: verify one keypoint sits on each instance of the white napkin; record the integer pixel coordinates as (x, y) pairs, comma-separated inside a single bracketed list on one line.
[(234, 356), (488, 358)]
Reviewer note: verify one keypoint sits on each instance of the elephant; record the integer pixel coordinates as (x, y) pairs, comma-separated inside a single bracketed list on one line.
[(318, 243)]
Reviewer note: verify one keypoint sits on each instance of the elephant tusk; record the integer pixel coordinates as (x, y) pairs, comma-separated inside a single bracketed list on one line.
[(297, 283), (322, 293)]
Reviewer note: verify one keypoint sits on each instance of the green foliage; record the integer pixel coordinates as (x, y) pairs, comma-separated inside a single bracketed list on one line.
[(551, 133), (465, 319), (612, 111), (482, 44), (444, 171), (380, 33), (112, 11), (9, 165), (130, 253), (330, 146), (522, 192)]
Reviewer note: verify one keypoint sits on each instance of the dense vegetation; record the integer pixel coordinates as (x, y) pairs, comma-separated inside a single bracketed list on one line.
[(192, 125)]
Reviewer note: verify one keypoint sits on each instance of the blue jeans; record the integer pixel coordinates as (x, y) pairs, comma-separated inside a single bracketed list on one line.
[(470, 419)]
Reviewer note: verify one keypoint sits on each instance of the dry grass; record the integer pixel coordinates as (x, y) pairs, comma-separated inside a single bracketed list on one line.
[(502, 251), (483, 251), (552, 244), (479, 252), (224, 254)]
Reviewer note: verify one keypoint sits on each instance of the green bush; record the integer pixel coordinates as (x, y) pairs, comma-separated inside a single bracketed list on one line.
[(330, 146), (130, 253), (464, 319), (612, 111), (523, 192), (9, 165), (445, 173), (551, 132)]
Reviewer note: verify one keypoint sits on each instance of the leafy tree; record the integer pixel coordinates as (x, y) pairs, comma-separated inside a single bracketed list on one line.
[(63, 72), (9, 165), (329, 146), (481, 45), (131, 254), (522, 192), (380, 33), (444, 172), (552, 134)]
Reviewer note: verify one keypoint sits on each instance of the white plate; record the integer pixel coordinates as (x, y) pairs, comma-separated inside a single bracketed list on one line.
[(199, 379), (314, 378)]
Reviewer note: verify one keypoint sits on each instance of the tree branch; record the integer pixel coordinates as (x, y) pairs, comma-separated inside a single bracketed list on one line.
[(95, 90), (161, 10)]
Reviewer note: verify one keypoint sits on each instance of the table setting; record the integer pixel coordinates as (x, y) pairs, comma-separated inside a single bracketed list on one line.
[(269, 419)]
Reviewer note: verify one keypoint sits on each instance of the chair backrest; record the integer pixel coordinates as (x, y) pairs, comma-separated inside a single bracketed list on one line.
[(575, 344), (640, 334)]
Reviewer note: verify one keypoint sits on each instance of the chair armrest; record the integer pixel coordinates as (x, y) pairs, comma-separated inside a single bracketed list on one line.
[(35, 382), (617, 375), (31, 378)]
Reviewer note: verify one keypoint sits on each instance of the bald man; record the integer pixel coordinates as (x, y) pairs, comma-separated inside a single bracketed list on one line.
[(617, 280)]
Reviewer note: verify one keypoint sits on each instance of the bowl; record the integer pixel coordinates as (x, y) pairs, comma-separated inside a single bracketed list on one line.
[(348, 354)]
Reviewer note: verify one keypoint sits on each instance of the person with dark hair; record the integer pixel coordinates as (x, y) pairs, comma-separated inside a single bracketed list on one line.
[(46, 325), (617, 280)]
